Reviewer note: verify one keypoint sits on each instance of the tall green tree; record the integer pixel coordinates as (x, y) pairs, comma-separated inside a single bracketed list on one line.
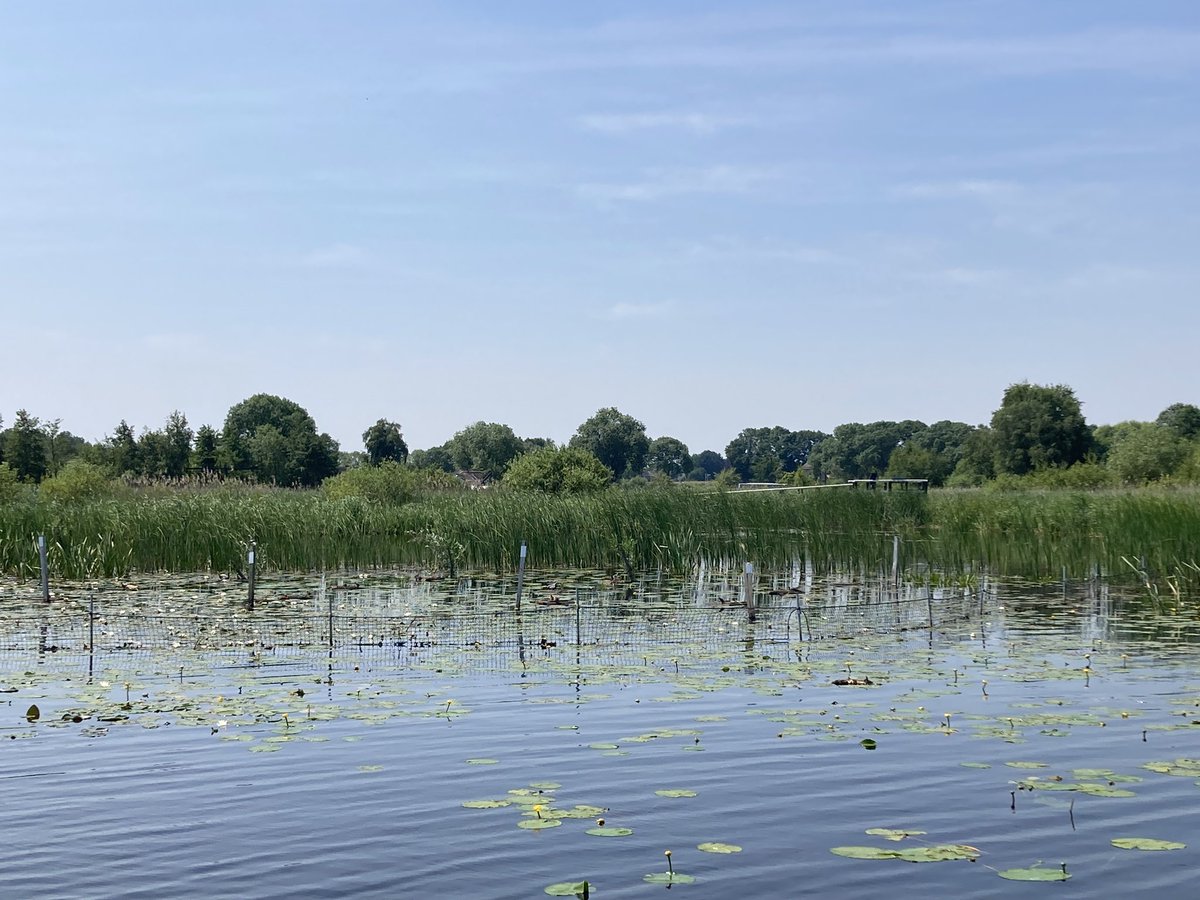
[(288, 452), (1181, 418), (25, 448), (384, 441), (860, 451), (616, 439), (709, 464), (764, 454), (669, 456), (485, 447), (1147, 452), (438, 458), (205, 458), (177, 450), (1039, 426), (121, 450)]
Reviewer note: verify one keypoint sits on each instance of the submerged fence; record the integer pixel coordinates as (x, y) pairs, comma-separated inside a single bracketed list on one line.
[(481, 628)]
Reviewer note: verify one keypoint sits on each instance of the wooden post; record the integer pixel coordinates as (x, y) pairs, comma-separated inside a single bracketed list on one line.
[(578, 638), (748, 590), (896, 561), (520, 576), (250, 567), (45, 568)]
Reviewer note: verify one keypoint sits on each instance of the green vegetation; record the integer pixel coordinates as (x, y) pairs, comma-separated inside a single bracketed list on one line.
[(392, 515)]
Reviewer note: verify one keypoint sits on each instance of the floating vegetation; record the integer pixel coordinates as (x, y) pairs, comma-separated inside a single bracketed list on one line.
[(923, 854), (893, 834), (675, 792), (579, 889), (718, 847), (482, 761), (1137, 843), (1036, 872), (609, 831)]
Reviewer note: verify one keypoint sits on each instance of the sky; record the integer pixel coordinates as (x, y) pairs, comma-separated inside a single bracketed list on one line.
[(712, 216)]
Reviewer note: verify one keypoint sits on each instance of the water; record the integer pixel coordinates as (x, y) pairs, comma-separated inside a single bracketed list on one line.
[(362, 794)]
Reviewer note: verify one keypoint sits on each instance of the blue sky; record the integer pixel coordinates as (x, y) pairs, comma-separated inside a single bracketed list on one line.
[(712, 216)]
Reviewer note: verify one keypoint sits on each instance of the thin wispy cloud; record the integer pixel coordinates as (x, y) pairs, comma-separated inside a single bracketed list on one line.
[(941, 190), (336, 256), (664, 183), (627, 123), (637, 310)]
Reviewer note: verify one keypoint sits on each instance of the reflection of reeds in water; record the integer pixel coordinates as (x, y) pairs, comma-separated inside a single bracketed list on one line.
[(1028, 534)]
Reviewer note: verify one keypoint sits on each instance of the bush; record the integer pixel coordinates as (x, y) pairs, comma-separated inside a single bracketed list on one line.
[(78, 480), (390, 483), (558, 471)]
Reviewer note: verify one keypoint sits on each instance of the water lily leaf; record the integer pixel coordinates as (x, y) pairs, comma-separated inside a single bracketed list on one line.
[(566, 889), (892, 834), (718, 847), (370, 768), (264, 748), (539, 824), (610, 831), (486, 804), (668, 878), (1027, 765), (1146, 844), (938, 853), (865, 852), (482, 761), (1035, 873), (675, 792), (1103, 790), (603, 746), (1187, 768), (545, 785), (975, 765)]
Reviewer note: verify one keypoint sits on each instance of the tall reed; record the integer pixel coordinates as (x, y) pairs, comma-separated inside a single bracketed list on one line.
[(1027, 534)]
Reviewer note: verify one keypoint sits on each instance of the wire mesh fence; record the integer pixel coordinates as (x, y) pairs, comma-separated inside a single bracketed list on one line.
[(479, 625)]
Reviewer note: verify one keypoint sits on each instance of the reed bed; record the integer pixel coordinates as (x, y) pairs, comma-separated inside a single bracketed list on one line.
[(1035, 535)]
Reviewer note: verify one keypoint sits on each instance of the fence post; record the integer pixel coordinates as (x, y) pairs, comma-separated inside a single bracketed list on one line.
[(250, 566), (748, 590), (91, 633), (45, 563), (896, 561), (578, 642), (521, 575)]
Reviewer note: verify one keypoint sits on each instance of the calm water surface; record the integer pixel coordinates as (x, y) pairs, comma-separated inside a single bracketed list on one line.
[(196, 785)]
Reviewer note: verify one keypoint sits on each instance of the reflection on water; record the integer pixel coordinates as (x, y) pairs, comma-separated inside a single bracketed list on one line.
[(319, 746)]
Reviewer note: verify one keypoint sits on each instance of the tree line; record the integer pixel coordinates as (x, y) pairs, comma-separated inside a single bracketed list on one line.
[(1038, 431)]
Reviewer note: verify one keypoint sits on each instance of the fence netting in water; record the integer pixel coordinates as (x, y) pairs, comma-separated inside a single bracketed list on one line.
[(470, 625)]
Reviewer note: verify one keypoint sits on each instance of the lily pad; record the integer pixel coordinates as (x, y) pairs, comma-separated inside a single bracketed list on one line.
[(482, 761), (718, 847), (539, 824), (675, 792), (669, 878), (864, 852), (566, 888), (486, 804), (938, 853), (1146, 844), (1035, 873), (975, 765), (892, 834), (610, 831), (1020, 764)]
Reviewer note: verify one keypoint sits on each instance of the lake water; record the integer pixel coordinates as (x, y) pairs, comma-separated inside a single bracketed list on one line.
[(220, 753)]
